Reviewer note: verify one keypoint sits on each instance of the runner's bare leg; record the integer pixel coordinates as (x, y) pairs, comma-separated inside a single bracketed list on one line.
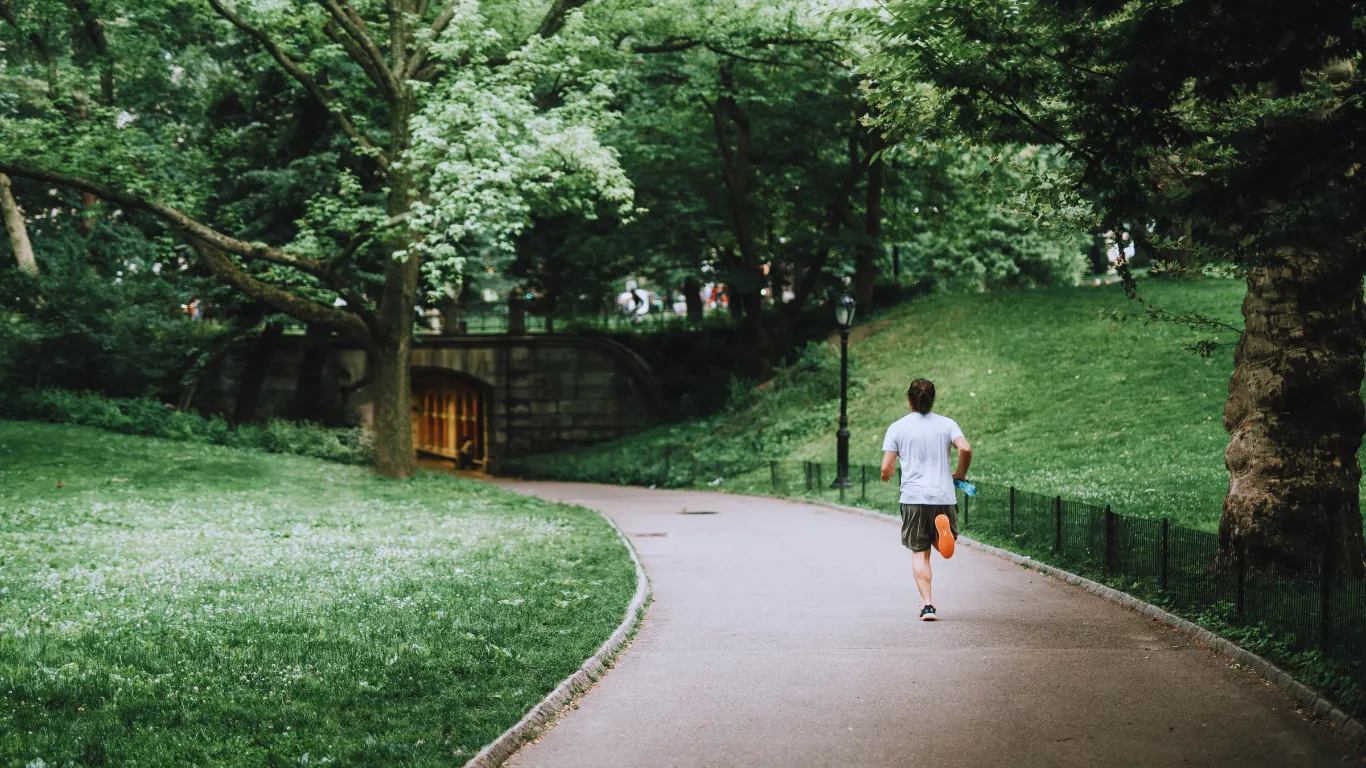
[(920, 564)]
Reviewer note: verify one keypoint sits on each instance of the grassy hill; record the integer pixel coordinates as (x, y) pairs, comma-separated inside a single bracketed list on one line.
[(1058, 400), (1054, 398)]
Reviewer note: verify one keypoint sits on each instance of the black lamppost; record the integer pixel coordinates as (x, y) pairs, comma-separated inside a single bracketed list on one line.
[(844, 315)]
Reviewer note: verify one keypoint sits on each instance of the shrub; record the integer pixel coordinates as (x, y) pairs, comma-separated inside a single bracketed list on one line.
[(144, 416)]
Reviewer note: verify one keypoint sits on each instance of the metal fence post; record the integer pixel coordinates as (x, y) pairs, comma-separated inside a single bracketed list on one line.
[(1240, 592), (820, 482), (1164, 556), (1109, 541), (1057, 521), (773, 474), (1012, 509), (808, 475), (667, 451), (1326, 596), (863, 481)]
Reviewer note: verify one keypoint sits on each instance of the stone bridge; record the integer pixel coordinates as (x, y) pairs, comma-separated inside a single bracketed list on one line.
[(478, 398)]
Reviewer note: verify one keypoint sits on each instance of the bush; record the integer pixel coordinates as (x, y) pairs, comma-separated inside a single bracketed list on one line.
[(104, 313), (150, 418)]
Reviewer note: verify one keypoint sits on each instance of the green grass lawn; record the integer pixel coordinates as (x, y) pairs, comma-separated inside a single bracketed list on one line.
[(181, 604)]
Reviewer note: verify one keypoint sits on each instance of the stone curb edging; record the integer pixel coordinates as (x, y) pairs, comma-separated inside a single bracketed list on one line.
[(1302, 695), (503, 747)]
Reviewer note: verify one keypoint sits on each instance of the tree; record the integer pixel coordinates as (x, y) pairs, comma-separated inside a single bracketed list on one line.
[(454, 124), (1239, 121), (18, 230)]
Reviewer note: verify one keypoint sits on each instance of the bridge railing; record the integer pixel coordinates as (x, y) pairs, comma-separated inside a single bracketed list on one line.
[(1313, 618)]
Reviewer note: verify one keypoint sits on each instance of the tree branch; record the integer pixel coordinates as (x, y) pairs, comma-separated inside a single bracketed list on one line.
[(419, 57), (292, 68), (555, 18), (310, 312), (332, 30), (173, 216), (348, 20)]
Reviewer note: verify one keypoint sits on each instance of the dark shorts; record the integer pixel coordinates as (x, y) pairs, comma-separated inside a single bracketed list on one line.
[(917, 524)]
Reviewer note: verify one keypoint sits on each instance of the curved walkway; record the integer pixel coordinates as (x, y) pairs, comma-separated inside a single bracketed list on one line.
[(784, 634)]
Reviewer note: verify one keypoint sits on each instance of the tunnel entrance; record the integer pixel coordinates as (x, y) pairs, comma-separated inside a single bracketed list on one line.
[(450, 418)]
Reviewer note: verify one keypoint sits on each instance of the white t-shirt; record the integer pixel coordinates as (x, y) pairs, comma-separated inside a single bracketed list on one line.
[(922, 442)]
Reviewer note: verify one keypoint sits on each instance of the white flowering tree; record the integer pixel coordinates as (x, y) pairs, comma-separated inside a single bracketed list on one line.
[(455, 122)]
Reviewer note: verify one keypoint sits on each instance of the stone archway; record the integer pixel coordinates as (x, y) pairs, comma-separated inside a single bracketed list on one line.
[(450, 416)]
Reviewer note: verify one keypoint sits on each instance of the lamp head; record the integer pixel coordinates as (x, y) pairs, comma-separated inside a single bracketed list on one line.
[(844, 311)]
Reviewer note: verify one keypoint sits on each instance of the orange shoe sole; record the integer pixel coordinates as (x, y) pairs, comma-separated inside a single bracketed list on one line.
[(945, 541)]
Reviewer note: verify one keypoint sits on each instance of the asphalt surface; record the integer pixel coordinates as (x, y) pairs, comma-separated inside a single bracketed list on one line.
[(784, 634)]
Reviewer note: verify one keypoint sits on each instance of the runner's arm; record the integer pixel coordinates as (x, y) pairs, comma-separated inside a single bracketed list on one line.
[(964, 457), (888, 464)]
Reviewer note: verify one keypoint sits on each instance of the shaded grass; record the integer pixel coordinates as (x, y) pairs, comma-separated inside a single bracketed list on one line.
[(177, 603)]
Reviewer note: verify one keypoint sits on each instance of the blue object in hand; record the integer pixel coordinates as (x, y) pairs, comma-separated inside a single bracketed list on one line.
[(967, 488)]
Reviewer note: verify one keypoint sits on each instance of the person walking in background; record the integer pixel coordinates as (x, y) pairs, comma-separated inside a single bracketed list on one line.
[(929, 507)]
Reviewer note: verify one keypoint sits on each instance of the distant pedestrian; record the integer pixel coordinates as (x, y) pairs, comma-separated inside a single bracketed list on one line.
[(929, 506)]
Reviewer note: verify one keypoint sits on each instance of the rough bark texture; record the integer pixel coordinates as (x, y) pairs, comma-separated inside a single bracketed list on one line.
[(1295, 414), (255, 371), (18, 232), (393, 425)]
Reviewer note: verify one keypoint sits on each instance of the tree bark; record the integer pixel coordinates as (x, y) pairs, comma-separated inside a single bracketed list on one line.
[(18, 232), (255, 372), (692, 294), (744, 293), (391, 359), (1295, 414)]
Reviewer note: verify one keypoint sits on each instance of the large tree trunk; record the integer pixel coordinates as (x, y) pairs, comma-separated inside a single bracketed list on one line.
[(391, 358), (18, 232), (255, 372), (1295, 414), (692, 295)]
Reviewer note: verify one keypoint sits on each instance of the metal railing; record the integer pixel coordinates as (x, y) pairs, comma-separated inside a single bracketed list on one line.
[(1322, 611)]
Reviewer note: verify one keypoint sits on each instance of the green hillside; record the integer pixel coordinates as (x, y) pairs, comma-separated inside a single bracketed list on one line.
[(1054, 398), (1057, 399)]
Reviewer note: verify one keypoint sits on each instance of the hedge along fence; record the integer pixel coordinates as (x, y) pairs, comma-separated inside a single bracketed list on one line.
[(152, 418), (1321, 614)]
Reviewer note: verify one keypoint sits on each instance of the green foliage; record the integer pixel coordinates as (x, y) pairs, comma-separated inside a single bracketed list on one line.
[(1231, 117), (103, 312), (959, 220), (231, 608), (152, 418)]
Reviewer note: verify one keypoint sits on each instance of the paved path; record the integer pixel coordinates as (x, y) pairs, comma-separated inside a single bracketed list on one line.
[(784, 634)]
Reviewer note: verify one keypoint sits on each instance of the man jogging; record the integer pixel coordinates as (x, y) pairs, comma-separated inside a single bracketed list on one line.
[(929, 507)]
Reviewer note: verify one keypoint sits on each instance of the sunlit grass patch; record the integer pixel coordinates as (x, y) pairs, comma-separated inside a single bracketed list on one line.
[(176, 604)]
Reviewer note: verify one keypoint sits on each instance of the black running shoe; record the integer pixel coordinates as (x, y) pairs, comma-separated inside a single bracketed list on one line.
[(927, 613)]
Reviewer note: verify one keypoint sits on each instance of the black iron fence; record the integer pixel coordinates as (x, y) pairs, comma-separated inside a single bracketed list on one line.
[(1322, 612)]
